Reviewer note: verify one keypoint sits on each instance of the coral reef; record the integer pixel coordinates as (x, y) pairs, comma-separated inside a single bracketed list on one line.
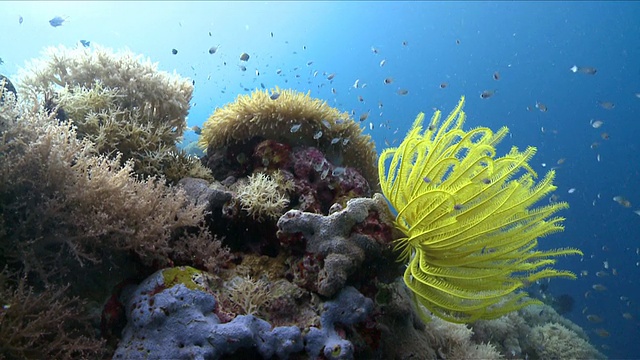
[(44, 325), (470, 232), (177, 320), (120, 102), (337, 249), (294, 119)]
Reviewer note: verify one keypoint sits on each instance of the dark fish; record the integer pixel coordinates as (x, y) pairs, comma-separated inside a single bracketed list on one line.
[(85, 43), (56, 21), (487, 94), (457, 41), (174, 51), (405, 43), (271, 34), (209, 33), (244, 57), (213, 49), (496, 76), (262, 85), (196, 129), (444, 85), (584, 69), (388, 80), (331, 76), (402, 92), (274, 96), (20, 19)]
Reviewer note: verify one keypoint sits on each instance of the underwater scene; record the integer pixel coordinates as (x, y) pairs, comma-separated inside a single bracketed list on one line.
[(319, 180)]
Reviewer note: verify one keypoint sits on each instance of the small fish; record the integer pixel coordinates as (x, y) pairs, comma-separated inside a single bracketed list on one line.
[(85, 43), (338, 171), (627, 316), (496, 76), (383, 62), (309, 63), (540, 106), (374, 50), (405, 43), (605, 136), (271, 33), (315, 73), (1, 61), (20, 19), (279, 71), (262, 85), (317, 135), (213, 49), (242, 67), (596, 123), (443, 85), (370, 126), (607, 105), (209, 33), (355, 84), (599, 287), (571, 191), (274, 96), (174, 51), (487, 94), (364, 116), (360, 98), (257, 72), (402, 92), (457, 41), (331, 76), (594, 318), (56, 21), (295, 128), (602, 274), (622, 201), (561, 161), (244, 57), (335, 141), (388, 80), (333, 91), (196, 129), (345, 142), (602, 333), (583, 69)]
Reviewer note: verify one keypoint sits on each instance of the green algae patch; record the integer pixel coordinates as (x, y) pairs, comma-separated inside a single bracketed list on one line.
[(186, 275)]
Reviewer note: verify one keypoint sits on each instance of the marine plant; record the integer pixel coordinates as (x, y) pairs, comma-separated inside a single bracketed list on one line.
[(295, 119), (469, 223)]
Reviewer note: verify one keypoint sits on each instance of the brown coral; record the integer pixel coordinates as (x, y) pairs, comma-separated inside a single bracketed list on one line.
[(120, 102), (295, 119)]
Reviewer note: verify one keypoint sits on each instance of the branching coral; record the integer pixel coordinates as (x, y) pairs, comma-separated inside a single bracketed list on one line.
[(247, 294), (295, 119), (58, 197), (45, 325), (264, 195), (470, 229), (119, 101)]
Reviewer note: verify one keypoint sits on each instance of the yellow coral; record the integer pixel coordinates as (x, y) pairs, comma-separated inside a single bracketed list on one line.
[(341, 138), (471, 234)]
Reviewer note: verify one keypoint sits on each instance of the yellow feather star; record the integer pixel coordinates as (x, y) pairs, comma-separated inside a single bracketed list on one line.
[(471, 231)]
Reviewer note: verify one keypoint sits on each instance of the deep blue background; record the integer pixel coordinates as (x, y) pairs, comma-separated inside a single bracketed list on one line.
[(531, 44)]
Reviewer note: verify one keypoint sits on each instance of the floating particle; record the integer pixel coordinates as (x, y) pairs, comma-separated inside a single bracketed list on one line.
[(295, 128)]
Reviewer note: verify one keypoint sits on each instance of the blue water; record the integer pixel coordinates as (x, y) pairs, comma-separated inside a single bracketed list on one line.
[(532, 45)]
